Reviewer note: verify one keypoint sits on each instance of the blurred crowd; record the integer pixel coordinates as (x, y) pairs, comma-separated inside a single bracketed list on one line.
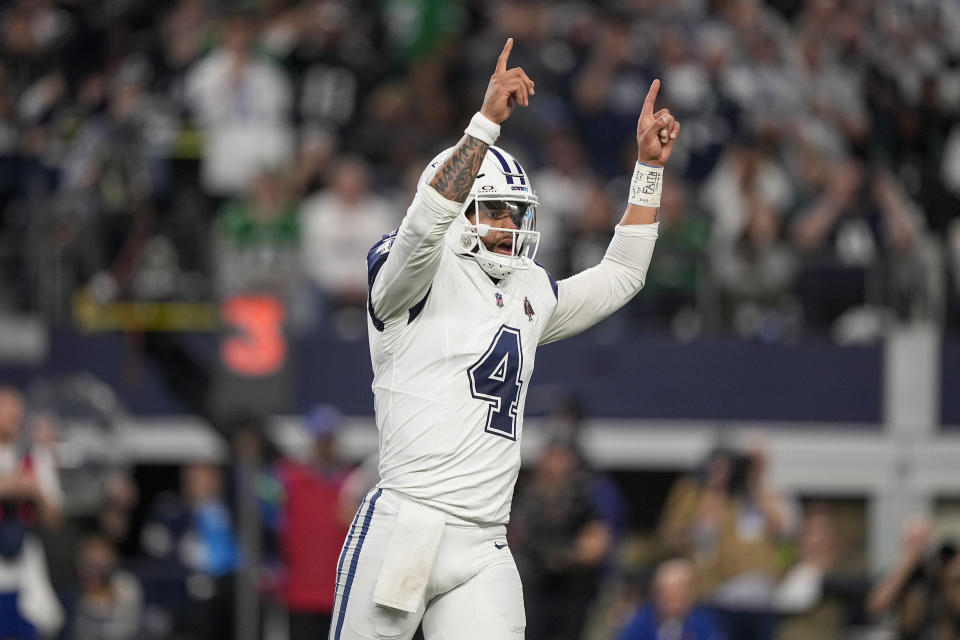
[(190, 150), (194, 150), (725, 555), (728, 557)]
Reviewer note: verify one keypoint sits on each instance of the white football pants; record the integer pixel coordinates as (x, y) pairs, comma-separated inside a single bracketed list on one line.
[(473, 593)]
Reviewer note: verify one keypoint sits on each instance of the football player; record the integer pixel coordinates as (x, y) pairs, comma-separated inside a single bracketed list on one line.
[(457, 307)]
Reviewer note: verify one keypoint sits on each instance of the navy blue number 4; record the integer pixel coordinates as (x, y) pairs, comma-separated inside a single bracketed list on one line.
[(495, 379)]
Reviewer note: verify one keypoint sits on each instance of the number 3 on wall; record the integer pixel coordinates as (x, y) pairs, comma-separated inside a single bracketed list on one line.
[(495, 379), (256, 345)]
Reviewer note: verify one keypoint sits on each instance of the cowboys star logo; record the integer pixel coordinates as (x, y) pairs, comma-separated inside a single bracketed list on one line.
[(528, 309)]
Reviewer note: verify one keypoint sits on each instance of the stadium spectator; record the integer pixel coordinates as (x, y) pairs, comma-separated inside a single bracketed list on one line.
[(605, 91), (310, 520), (384, 135), (679, 279), (948, 620), (729, 521), (183, 32), (333, 54), (920, 589), (801, 74), (115, 515), (865, 220), (339, 224), (242, 105), (754, 276), (30, 495), (110, 604), (192, 540), (560, 541), (564, 185), (313, 164), (818, 596), (256, 241), (113, 173), (212, 550), (746, 179), (28, 468), (860, 196), (674, 613), (34, 33), (586, 245)]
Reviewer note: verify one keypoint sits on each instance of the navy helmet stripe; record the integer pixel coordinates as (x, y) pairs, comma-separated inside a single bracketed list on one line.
[(523, 179), (353, 564), (503, 163)]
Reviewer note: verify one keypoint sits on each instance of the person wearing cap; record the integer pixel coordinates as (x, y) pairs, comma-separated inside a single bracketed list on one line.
[(310, 524)]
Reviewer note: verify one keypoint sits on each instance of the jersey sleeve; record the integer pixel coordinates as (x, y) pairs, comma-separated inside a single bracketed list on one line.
[(402, 265), (590, 296)]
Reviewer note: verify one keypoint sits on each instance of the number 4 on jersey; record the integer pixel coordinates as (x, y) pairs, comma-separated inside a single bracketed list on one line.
[(495, 379)]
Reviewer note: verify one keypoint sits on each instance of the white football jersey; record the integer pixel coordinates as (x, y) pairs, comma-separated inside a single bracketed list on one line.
[(453, 354)]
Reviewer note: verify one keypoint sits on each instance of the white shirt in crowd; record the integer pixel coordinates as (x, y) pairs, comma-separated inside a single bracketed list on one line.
[(245, 119), (334, 236)]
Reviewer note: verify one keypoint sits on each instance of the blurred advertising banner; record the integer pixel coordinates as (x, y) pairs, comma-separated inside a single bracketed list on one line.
[(92, 316)]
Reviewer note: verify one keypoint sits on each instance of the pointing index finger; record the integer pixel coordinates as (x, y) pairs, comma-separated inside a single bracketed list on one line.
[(651, 98), (502, 60)]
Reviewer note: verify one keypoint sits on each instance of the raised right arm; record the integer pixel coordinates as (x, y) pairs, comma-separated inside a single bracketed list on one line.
[(401, 267)]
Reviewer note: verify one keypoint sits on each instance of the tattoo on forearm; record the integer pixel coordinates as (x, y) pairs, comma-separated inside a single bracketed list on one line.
[(456, 175)]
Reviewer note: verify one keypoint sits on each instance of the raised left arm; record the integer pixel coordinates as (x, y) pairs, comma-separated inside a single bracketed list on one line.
[(656, 135), (590, 296)]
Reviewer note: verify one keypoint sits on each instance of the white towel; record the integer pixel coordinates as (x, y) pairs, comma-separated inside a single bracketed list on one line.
[(410, 555)]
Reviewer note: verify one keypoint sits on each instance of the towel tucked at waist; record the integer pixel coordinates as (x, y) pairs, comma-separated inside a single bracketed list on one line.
[(410, 555)]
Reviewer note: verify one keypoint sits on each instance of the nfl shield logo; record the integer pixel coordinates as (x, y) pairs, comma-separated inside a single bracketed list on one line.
[(499, 300)]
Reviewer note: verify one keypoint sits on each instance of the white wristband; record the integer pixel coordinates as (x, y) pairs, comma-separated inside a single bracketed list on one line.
[(483, 129), (646, 185)]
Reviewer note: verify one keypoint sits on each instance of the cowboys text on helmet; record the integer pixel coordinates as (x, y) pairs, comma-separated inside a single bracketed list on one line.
[(498, 221)]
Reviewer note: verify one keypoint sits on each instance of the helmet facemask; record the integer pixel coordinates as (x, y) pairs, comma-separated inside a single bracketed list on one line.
[(508, 227), (501, 190)]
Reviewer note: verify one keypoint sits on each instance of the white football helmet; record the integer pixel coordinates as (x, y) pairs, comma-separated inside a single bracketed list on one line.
[(502, 189)]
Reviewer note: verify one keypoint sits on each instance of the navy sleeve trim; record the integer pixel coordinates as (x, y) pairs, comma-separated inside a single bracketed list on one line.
[(376, 257), (417, 308), (553, 283), (377, 254)]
